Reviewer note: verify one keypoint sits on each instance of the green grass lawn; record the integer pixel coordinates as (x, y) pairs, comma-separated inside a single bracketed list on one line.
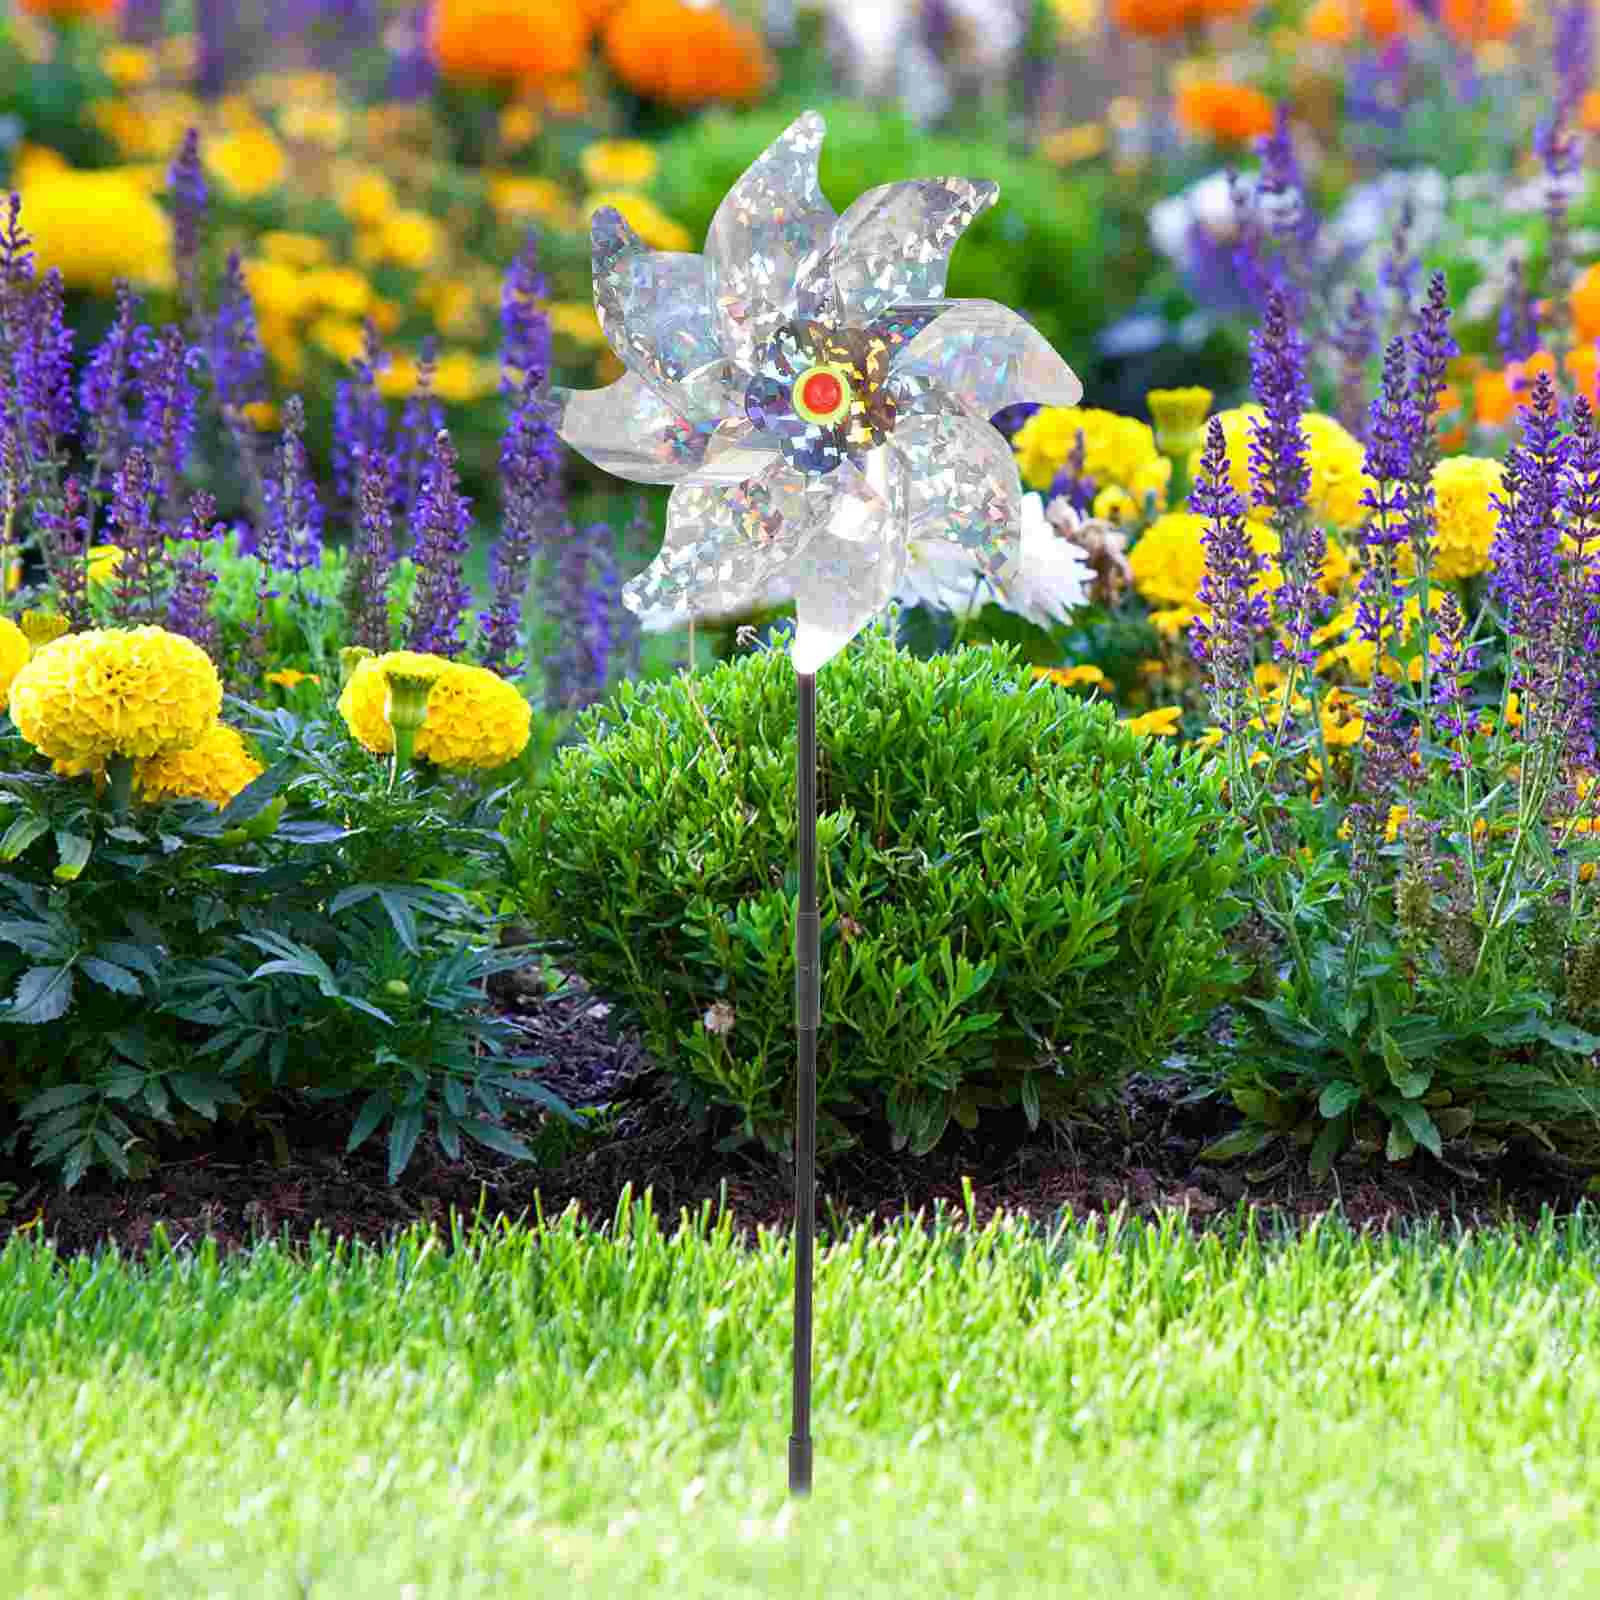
[(999, 1414)]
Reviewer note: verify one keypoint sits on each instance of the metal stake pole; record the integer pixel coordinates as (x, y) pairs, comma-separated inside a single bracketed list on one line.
[(808, 1006)]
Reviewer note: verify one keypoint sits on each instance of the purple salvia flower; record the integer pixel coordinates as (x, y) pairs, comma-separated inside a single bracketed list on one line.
[(141, 535), (189, 605), (213, 27), (1355, 339), (104, 390), (1071, 481), (1433, 347), (1391, 446), (186, 188), (1227, 642), (525, 329), (233, 345), (1294, 222), (167, 423), (1385, 741), (1518, 331), (1560, 150), (1397, 271), (1526, 547), (420, 424), (1453, 669), (1257, 275), (373, 560), (360, 419), (440, 543), (1008, 422), (577, 670), (294, 511), (1280, 476), (412, 71), (1573, 53), (143, 21), (64, 534), (16, 278)]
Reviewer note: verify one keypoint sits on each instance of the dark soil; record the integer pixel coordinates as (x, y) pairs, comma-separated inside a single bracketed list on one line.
[(1141, 1153)]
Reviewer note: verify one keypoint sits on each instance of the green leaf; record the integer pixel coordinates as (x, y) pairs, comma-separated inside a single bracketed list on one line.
[(75, 851), (403, 1136), (508, 1144), (20, 835), (368, 1118), (112, 1151), (64, 1094), (256, 796), (1399, 1144), (1419, 1125), (1338, 1097), (43, 995), (1245, 1141), (1411, 1082), (1030, 1100), (1328, 1144), (110, 976)]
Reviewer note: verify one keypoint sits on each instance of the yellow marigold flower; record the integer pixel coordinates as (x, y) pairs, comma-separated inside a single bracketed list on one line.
[(1179, 416), (518, 124), (116, 691), (261, 415), (214, 769), (279, 292), (409, 239), (619, 163), (513, 197), (576, 320), (1171, 621), (474, 719), (452, 302), (250, 161), (127, 66), (368, 199), (340, 289), (298, 250), (327, 126), (1162, 722), (1114, 504), (1152, 478), (1089, 675), (97, 227), (460, 377), (1169, 561), (652, 224), (341, 337), (104, 559), (1342, 722), (1466, 521), (288, 677), (398, 380), (1115, 447), (1335, 457), (14, 653)]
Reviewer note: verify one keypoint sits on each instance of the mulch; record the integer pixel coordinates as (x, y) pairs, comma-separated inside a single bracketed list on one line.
[(1140, 1154)]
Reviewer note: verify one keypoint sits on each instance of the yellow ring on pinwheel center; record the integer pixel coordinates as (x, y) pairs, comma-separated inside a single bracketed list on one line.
[(822, 394)]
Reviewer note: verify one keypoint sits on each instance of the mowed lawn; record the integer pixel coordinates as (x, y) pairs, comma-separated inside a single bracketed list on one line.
[(999, 1412)]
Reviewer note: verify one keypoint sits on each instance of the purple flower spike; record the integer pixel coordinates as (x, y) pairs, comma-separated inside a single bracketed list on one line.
[(440, 543), (186, 185)]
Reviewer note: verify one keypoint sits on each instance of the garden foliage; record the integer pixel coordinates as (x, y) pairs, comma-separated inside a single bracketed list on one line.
[(322, 932), (1021, 900)]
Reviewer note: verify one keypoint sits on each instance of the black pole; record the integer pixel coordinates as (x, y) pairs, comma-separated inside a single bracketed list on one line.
[(808, 1006)]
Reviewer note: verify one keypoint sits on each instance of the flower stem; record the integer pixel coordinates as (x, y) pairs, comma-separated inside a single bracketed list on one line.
[(119, 775)]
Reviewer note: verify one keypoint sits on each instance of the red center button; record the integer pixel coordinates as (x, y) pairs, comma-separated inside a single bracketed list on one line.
[(822, 392)]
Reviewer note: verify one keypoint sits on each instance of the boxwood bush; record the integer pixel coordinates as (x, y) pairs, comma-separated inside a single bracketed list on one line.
[(1022, 901)]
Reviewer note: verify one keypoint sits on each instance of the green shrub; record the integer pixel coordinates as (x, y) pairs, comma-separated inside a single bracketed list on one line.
[(1021, 900), (320, 934), (1040, 249)]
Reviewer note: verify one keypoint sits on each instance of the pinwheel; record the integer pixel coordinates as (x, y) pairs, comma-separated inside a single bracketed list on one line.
[(817, 404)]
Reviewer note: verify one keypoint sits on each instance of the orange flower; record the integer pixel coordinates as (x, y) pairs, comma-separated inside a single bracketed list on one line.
[(1589, 116), (1479, 21), (1497, 395), (1584, 365), (1455, 438), (669, 51), (515, 42), (1157, 18), (1230, 113), (70, 10), (1336, 21), (1585, 303)]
